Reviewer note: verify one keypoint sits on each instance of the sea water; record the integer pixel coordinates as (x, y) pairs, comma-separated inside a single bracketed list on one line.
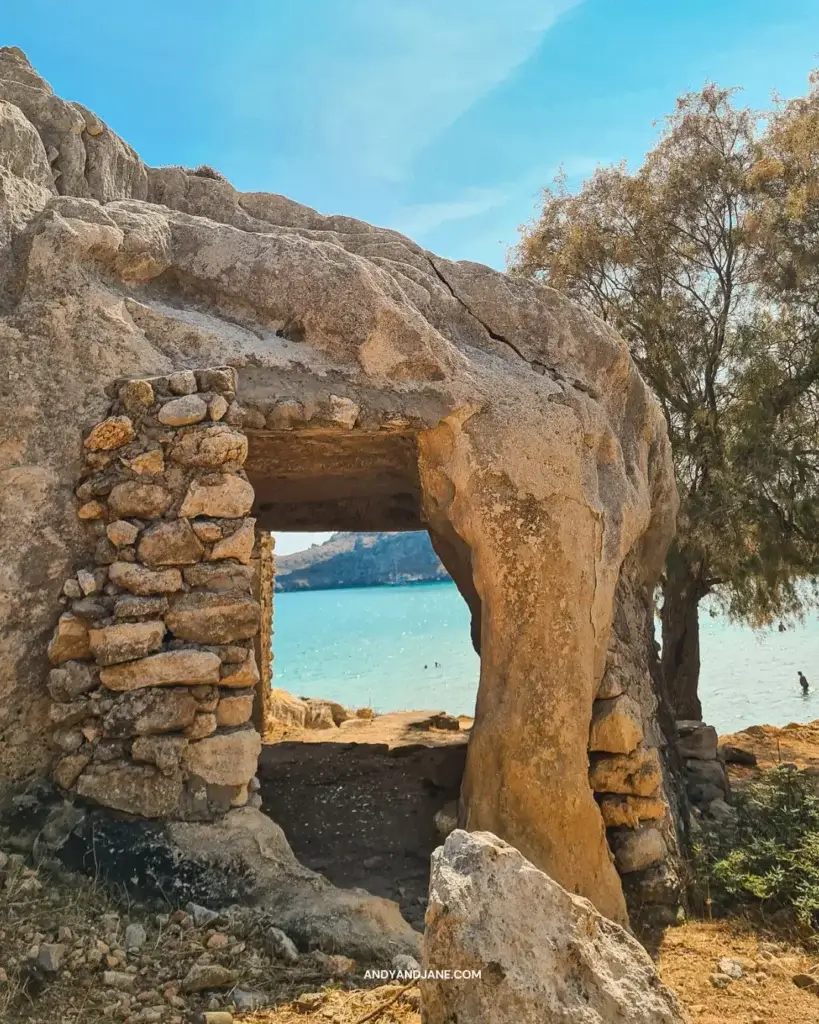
[(398, 648)]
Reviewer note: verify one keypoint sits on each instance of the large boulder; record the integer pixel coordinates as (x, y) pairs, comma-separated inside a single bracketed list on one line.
[(543, 953)]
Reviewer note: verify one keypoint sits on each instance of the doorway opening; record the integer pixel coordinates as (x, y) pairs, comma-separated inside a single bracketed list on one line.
[(358, 767)]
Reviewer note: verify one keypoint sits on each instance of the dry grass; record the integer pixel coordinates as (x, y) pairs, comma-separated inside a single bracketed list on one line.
[(333, 1006)]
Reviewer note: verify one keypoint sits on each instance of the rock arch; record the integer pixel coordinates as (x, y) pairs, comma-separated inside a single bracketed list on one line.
[(508, 421)]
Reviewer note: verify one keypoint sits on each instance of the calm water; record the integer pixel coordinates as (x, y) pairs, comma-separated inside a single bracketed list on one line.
[(371, 645)]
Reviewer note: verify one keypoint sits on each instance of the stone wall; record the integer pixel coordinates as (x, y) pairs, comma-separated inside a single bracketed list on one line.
[(154, 660)]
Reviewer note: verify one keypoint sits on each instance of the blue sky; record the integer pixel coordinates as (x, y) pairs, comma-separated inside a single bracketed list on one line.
[(440, 118)]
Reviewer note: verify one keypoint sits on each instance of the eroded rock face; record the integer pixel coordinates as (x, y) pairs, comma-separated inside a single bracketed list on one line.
[(535, 453), (544, 954)]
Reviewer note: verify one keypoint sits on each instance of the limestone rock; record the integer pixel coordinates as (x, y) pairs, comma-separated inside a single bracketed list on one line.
[(112, 433), (181, 411), (70, 640), (136, 395), (135, 789), (121, 532), (234, 710), (72, 679), (709, 772), (203, 725), (142, 500), (210, 447), (284, 707), (225, 759), (238, 545), (183, 382), (69, 768), (169, 543), (629, 811), (148, 711), (616, 727), (135, 607), (165, 751), (229, 497), (219, 576), (217, 407), (637, 849), (142, 581), (91, 510), (245, 675), (553, 957), (125, 641), (170, 668), (213, 618), (150, 463), (638, 774), (208, 976)]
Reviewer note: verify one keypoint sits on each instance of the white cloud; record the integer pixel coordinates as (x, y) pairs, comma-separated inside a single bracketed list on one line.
[(411, 69), (421, 218)]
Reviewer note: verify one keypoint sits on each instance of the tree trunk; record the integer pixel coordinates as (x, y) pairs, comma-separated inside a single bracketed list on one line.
[(682, 593)]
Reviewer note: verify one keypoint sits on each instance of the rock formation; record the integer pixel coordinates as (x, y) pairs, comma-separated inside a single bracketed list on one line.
[(543, 954), (361, 560), (377, 387)]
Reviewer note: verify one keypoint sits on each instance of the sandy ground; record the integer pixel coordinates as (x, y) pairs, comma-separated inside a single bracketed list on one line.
[(396, 729)]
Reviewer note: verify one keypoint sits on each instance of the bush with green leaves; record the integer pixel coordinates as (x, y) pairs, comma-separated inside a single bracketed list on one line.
[(770, 859)]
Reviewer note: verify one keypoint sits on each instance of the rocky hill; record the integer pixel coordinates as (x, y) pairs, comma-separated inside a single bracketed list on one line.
[(361, 560)]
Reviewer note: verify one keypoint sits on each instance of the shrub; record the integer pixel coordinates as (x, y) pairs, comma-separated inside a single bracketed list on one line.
[(770, 859)]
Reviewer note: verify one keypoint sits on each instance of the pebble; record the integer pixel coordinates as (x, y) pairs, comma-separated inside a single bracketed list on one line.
[(281, 946), (50, 956), (182, 411), (202, 917), (720, 980), (217, 941), (202, 977), (119, 980), (733, 968), (135, 936)]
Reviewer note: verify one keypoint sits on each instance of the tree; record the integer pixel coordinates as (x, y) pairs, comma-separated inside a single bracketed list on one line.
[(677, 256)]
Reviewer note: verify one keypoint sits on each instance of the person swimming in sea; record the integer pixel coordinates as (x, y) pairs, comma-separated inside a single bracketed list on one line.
[(803, 682)]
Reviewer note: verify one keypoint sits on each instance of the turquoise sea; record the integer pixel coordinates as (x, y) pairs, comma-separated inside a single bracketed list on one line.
[(397, 648)]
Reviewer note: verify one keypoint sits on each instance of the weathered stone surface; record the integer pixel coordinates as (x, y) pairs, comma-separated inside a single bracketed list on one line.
[(170, 668), (183, 382), (163, 750), (287, 708), (700, 743), (553, 957), (135, 789), (121, 532), (637, 849), (134, 498), (136, 395), (219, 576), (142, 581), (217, 407), (229, 497), (638, 774), (616, 727), (169, 543), (629, 811), (68, 769), (91, 510), (238, 545), (70, 640), (203, 725), (711, 772), (213, 618), (182, 411), (125, 641), (150, 463), (245, 674), (112, 433), (72, 679), (234, 710), (135, 607), (144, 712), (209, 447), (542, 462), (225, 759), (207, 530)]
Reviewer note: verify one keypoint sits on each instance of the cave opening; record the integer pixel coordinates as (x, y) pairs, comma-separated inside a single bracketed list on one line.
[(363, 798)]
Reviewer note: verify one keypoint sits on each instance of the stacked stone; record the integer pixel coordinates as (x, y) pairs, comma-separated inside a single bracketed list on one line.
[(627, 778), (155, 668), (706, 778)]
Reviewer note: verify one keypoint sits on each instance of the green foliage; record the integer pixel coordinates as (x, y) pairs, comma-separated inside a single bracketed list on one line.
[(771, 858), (706, 260)]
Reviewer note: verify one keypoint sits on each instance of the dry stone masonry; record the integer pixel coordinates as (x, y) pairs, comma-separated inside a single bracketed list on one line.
[(155, 660)]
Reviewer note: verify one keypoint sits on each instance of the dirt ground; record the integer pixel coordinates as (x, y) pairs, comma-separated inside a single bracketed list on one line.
[(797, 743), (358, 804)]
